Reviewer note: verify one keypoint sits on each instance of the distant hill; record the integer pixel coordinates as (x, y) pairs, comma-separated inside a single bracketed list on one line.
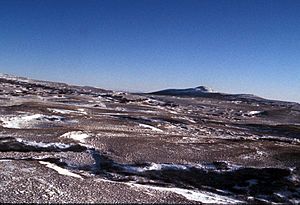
[(206, 92)]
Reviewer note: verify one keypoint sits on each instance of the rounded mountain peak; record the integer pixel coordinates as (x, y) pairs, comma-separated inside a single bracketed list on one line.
[(204, 89)]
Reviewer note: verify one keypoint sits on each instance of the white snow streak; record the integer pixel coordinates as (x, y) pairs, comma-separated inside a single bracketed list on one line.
[(64, 111), (60, 170), (150, 127), (156, 167)]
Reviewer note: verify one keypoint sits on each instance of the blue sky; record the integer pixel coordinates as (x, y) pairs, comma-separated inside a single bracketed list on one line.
[(145, 45)]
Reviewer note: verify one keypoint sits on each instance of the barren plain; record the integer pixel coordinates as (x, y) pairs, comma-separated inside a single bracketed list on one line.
[(73, 144)]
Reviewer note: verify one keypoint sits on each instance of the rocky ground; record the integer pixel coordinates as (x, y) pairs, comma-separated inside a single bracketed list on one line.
[(62, 143)]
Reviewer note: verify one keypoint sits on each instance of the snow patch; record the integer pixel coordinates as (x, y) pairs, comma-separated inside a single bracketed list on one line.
[(18, 91), (216, 167), (82, 110), (101, 104), (24, 121), (60, 170), (150, 127), (76, 135), (254, 112), (261, 153), (42, 144), (200, 196), (5, 160), (172, 111), (155, 167)]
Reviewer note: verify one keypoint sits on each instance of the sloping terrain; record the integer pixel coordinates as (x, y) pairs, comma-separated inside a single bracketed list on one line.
[(62, 143)]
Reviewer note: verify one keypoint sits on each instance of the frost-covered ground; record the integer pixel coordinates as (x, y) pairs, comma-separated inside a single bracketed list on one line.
[(62, 143)]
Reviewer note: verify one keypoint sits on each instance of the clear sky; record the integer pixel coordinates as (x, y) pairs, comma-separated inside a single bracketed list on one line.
[(146, 45)]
